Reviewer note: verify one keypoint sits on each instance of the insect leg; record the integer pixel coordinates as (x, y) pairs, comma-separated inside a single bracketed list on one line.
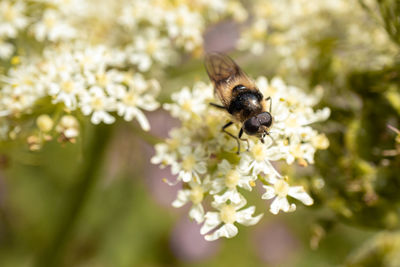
[(244, 139), (270, 103), (273, 140), (217, 106), (231, 135)]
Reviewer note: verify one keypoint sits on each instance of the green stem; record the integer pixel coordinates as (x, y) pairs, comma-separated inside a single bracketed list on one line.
[(92, 159)]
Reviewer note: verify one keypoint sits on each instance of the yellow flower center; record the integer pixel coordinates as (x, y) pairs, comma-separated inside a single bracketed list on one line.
[(292, 122), (9, 13), (188, 163), (232, 179), (228, 214), (130, 99), (97, 103), (187, 106), (15, 60), (173, 143), (197, 194), (281, 188), (67, 87), (102, 79), (151, 47), (258, 152), (297, 151), (258, 32), (49, 21), (180, 20)]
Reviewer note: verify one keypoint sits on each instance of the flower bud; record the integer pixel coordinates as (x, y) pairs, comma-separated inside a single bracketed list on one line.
[(44, 123)]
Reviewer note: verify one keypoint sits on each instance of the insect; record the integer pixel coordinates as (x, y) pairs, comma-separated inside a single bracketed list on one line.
[(240, 97)]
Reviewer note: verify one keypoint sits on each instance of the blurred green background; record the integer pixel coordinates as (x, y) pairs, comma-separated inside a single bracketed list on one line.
[(58, 209)]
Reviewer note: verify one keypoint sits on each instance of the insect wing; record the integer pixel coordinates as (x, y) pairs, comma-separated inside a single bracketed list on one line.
[(220, 68), (225, 74)]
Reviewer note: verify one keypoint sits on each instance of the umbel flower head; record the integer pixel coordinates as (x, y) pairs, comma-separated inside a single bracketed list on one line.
[(204, 158)]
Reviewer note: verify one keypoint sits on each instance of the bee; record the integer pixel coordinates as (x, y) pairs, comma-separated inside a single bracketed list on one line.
[(240, 97)]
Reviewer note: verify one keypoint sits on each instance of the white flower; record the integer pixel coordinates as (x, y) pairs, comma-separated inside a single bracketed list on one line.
[(192, 165), (198, 149), (97, 103), (6, 49), (135, 12), (187, 102), (228, 214), (21, 90), (139, 95), (279, 190), (292, 113), (65, 86), (185, 27), (68, 126), (254, 38), (81, 77), (228, 177), (150, 48), (12, 18), (259, 157), (163, 155), (195, 195), (52, 27)]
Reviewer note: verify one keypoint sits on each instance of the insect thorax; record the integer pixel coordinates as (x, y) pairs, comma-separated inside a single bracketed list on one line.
[(246, 104)]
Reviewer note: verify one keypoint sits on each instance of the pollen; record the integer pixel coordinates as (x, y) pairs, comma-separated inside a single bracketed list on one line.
[(15, 60), (302, 162)]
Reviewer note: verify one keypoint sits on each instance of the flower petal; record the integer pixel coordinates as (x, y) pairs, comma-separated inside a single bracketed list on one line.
[(227, 230), (181, 199), (197, 213), (144, 123), (269, 192), (299, 193), (279, 203), (212, 221), (246, 218)]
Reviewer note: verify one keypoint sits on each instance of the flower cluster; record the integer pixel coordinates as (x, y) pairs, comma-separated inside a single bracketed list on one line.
[(85, 79), (12, 20), (204, 158), (296, 30), (102, 68), (170, 27)]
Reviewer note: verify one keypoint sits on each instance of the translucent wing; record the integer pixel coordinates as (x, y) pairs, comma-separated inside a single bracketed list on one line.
[(220, 67), (225, 74)]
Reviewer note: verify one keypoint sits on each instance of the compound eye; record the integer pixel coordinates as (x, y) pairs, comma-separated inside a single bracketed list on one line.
[(265, 119), (251, 125)]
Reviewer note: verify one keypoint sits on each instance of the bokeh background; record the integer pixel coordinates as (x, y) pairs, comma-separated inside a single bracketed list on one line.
[(56, 212), (100, 202)]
